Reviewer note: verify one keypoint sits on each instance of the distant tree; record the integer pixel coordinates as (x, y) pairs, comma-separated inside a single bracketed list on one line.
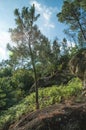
[(2, 99), (71, 36), (55, 54), (65, 48), (44, 55), (10, 92), (22, 79)]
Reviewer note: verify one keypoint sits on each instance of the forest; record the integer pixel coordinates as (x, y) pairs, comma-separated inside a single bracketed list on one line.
[(41, 73)]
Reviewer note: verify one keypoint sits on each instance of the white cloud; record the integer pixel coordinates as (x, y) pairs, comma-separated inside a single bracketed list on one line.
[(4, 39), (3, 54), (46, 15), (49, 25), (45, 25), (37, 5)]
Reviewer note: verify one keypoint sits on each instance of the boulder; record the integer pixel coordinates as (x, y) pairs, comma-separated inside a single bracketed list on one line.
[(56, 117)]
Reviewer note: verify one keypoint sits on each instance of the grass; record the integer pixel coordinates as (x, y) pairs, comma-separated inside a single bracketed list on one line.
[(47, 96)]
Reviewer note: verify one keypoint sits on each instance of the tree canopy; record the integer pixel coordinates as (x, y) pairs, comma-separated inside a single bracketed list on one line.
[(73, 13)]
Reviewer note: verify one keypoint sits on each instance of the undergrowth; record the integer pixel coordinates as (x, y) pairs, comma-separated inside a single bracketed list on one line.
[(47, 96)]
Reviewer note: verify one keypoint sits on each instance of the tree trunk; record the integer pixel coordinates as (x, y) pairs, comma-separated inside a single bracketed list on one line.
[(84, 81), (35, 75), (80, 26)]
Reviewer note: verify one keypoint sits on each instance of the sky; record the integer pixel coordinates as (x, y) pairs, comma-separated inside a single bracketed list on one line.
[(47, 22)]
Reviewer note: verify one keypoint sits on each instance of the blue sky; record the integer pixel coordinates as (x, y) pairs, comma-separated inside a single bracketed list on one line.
[(47, 23)]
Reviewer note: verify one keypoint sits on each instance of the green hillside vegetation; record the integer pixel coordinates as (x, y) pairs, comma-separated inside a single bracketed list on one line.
[(38, 71), (47, 96)]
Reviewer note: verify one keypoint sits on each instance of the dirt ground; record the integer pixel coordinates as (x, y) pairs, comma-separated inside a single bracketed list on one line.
[(65, 116)]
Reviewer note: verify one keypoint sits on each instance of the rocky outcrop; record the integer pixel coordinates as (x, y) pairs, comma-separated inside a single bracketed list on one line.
[(78, 65), (57, 117)]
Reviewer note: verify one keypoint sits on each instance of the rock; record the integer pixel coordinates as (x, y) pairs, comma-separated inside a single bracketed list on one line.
[(56, 117), (78, 65)]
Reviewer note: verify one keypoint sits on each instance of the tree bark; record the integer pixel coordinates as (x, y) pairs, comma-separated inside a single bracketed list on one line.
[(84, 81), (35, 75), (80, 26)]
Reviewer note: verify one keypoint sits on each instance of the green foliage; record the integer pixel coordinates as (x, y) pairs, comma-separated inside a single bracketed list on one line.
[(9, 94), (74, 15), (2, 99), (14, 87), (5, 72), (22, 79), (47, 96), (25, 35)]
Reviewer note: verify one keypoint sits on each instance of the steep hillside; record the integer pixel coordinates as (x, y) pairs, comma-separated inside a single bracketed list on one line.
[(56, 117), (47, 97)]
